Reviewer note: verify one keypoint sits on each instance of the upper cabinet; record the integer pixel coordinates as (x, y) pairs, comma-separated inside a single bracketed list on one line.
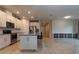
[(22, 24), (4, 17)]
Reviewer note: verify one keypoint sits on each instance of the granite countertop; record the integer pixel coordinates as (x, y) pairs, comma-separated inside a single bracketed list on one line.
[(27, 34), (4, 28)]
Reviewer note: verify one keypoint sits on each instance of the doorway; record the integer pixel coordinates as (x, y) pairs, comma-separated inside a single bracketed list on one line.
[(46, 28)]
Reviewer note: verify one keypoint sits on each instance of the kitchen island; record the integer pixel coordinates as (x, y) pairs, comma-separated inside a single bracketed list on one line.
[(28, 42)]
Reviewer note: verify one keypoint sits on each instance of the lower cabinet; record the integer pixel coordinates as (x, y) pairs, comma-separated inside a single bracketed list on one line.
[(7, 39), (2, 44), (4, 40), (28, 42)]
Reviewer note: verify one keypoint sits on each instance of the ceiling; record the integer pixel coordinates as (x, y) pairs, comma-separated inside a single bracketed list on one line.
[(45, 12)]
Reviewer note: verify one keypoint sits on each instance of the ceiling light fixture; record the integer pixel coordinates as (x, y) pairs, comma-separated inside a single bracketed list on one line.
[(67, 17), (29, 12)]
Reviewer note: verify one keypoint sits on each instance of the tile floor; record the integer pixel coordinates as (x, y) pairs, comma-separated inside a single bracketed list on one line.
[(49, 46)]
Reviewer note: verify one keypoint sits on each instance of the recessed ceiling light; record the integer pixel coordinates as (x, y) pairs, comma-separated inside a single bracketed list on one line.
[(17, 12), (67, 17), (29, 12)]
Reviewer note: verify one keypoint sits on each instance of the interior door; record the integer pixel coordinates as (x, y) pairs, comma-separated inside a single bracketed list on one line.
[(46, 30)]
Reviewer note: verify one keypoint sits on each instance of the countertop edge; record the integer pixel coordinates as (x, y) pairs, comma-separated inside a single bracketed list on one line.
[(26, 35)]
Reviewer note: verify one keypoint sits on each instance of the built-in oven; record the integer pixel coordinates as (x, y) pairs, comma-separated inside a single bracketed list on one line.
[(13, 38)]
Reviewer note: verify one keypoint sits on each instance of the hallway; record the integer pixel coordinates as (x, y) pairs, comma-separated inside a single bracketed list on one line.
[(56, 46)]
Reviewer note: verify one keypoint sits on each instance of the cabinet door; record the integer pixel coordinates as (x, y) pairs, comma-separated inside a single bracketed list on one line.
[(24, 42), (7, 39), (1, 42), (33, 42), (3, 18), (28, 42)]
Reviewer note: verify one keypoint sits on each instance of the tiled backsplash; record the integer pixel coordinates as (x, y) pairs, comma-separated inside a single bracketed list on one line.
[(65, 35)]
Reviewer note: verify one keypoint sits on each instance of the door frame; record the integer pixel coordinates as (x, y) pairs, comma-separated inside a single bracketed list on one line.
[(50, 24)]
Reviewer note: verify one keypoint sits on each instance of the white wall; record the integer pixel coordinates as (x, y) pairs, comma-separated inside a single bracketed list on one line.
[(75, 26), (63, 26)]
